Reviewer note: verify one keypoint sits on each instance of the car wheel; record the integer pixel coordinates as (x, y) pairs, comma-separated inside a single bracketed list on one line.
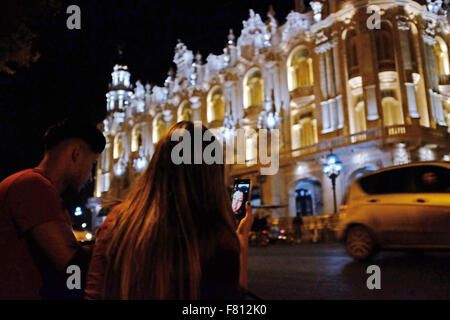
[(359, 243)]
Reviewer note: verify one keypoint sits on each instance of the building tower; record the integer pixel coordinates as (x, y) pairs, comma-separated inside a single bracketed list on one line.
[(120, 92)]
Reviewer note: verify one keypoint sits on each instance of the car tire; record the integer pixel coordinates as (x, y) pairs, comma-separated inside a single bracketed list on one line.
[(359, 243)]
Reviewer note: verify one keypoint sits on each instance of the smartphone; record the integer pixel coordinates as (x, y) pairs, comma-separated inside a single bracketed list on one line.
[(239, 197)]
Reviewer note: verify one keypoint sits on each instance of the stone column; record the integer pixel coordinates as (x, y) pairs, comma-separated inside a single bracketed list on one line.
[(372, 111), (326, 124), (338, 86), (405, 48), (323, 76), (412, 102), (333, 113), (436, 101), (340, 112)]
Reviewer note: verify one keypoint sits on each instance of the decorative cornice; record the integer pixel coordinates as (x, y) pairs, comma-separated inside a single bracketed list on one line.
[(326, 46)]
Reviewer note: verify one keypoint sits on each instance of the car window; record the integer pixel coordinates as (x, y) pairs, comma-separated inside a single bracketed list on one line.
[(432, 179), (387, 182)]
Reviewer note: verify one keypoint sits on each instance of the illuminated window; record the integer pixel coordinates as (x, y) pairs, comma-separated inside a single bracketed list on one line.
[(159, 127), (300, 71), (253, 89), (304, 131), (137, 139), (392, 111), (441, 52), (185, 112), (216, 105), (359, 120), (118, 146)]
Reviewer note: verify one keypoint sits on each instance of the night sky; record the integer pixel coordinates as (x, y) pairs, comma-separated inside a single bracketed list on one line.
[(72, 74)]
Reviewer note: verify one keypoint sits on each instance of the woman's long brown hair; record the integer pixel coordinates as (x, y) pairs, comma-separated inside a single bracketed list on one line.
[(167, 227)]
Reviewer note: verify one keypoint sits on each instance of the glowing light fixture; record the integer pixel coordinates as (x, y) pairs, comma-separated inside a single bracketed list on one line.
[(332, 169), (269, 118)]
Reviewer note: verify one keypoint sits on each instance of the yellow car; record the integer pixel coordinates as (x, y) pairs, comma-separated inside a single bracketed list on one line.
[(400, 207)]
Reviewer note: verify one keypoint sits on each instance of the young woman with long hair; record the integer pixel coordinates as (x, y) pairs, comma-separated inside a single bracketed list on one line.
[(174, 236)]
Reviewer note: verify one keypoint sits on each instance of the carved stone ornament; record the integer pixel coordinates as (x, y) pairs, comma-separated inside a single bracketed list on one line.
[(254, 32), (295, 23)]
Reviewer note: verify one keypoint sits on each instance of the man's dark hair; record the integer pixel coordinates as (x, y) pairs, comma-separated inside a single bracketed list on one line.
[(68, 129)]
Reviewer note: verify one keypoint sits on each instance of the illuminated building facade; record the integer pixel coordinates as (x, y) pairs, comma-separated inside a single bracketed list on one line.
[(369, 80)]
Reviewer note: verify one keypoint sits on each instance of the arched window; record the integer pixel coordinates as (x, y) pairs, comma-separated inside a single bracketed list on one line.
[(304, 131), (307, 131), (300, 71), (118, 146), (308, 197), (137, 140), (253, 89), (351, 54), (216, 105), (185, 111), (159, 127), (385, 48), (392, 111), (441, 52)]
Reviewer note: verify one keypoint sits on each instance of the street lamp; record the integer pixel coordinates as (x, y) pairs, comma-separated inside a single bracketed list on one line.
[(332, 169)]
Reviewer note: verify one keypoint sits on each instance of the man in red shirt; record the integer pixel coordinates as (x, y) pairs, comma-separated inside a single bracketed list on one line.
[(36, 239)]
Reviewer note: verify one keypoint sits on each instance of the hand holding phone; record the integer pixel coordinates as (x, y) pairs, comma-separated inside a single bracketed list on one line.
[(245, 225), (240, 196)]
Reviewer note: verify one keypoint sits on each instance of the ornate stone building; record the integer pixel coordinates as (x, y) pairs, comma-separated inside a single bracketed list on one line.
[(367, 79)]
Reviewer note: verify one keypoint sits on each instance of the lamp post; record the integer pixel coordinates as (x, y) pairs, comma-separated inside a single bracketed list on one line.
[(332, 169)]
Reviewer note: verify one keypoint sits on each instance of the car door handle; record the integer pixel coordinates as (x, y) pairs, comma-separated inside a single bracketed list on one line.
[(373, 200), (421, 200)]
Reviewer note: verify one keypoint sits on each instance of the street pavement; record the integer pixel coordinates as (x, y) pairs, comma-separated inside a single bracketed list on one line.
[(325, 271)]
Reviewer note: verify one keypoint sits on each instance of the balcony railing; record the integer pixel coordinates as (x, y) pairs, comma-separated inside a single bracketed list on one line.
[(395, 130), (404, 132)]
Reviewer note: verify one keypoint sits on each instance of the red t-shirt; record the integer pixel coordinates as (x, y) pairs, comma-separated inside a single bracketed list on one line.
[(27, 199)]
